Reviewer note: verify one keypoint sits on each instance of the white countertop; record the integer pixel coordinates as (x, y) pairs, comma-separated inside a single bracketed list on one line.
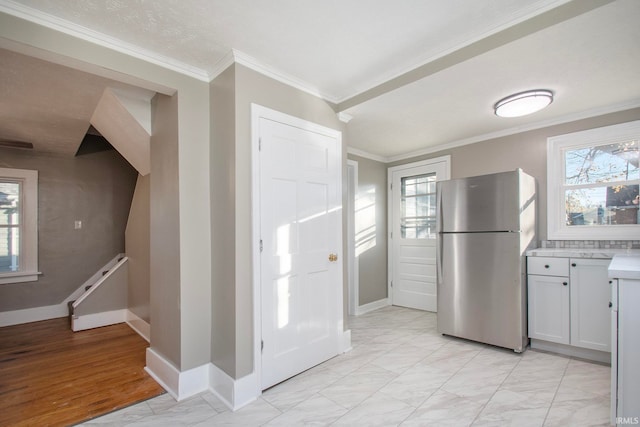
[(625, 266), (581, 253)]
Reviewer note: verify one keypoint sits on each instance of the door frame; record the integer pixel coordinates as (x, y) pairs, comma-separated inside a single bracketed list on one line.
[(390, 171), (250, 387), (353, 263)]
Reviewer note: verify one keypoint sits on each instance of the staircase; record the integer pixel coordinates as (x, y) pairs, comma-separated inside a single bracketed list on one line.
[(104, 300)]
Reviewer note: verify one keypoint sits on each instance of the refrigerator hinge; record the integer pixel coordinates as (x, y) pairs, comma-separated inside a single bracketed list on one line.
[(261, 346), (261, 246)]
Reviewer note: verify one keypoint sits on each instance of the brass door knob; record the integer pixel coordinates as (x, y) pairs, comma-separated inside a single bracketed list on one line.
[(333, 257)]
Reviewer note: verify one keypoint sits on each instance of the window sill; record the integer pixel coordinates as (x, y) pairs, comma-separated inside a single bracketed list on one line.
[(19, 277)]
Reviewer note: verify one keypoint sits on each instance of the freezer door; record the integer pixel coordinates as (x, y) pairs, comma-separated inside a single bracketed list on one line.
[(481, 288), (481, 203)]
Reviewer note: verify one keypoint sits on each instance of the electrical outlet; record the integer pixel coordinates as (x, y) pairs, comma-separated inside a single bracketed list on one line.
[(78, 225)]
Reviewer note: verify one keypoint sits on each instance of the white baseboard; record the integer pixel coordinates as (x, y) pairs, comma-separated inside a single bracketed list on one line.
[(180, 385), (36, 314), (142, 327), (98, 320), (233, 393), (372, 306)]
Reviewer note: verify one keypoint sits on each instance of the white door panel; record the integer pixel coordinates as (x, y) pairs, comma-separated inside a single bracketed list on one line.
[(412, 255), (300, 225)]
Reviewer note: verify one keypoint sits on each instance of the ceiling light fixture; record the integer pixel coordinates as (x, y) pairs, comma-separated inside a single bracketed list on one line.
[(523, 103)]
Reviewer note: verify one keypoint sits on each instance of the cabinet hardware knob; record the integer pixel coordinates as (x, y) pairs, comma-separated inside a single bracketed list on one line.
[(573, 264), (546, 266), (610, 281), (565, 283), (610, 304)]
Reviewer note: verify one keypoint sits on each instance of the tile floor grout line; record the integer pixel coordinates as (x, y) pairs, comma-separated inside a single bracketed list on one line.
[(564, 372), (496, 390)]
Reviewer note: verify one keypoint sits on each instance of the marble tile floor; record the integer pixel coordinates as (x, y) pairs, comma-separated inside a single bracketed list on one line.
[(401, 372)]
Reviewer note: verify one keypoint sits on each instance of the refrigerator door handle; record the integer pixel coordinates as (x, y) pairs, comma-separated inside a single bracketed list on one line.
[(438, 260)]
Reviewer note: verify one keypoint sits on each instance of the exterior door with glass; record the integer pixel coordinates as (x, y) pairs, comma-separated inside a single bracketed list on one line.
[(412, 224)]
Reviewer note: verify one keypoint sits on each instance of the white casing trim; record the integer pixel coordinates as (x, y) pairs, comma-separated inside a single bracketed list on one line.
[(142, 327), (373, 306), (98, 320), (345, 341)]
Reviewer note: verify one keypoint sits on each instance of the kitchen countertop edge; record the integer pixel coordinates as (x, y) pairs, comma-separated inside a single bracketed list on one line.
[(581, 252), (625, 266)]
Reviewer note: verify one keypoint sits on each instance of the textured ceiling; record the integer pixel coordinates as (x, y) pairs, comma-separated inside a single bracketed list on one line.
[(415, 75)]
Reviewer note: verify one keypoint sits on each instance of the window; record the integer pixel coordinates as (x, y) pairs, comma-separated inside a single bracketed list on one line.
[(418, 207), (18, 225), (592, 182)]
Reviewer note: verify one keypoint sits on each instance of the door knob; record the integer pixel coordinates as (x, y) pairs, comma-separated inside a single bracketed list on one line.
[(333, 257)]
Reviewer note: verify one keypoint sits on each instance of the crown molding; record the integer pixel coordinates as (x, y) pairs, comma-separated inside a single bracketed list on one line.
[(49, 21), (594, 112), (222, 65), (264, 69), (366, 155), (344, 117)]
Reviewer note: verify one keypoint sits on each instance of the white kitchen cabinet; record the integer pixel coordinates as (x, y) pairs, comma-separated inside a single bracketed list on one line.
[(590, 314), (549, 308), (625, 318), (568, 306)]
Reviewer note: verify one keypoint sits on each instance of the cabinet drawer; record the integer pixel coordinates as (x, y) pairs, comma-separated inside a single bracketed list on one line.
[(548, 266)]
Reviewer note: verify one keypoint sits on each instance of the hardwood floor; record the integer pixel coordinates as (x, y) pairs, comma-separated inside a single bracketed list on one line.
[(51, 376)]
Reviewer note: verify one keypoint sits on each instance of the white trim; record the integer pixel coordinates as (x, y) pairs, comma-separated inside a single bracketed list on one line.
[(141, 326), (163, 371), (83, 33), (28, 238), (253, 389), (442, 159), (556, 146), (289, 80), (102, 278), (233, 393), (353, 262), (180, 385), (344, 117), (366, 155), (375, 305), (98, 320), (595, 112), (569, 350), (222, 65), (36, 314), (345, 341)]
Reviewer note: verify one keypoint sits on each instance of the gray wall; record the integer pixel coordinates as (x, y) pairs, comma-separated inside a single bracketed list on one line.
[(165, 237), (527, 150), (95, 188), (223, 196), (232, 292), (372, 180), (136, 240)]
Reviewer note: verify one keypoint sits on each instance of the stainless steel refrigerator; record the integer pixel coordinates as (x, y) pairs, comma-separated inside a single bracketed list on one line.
[(484, 226)]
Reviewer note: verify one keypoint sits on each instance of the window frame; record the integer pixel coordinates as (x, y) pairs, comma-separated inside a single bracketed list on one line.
[(28, 271), (556, 208)]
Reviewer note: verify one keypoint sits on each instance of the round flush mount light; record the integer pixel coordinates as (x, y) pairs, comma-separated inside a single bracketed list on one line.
[(523, 103)]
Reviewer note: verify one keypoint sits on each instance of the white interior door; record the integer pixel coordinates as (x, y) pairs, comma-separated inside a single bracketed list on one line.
[(301, 262), (412, 256)]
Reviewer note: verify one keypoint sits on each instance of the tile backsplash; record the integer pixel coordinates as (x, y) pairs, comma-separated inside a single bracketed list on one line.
[(591, 244)]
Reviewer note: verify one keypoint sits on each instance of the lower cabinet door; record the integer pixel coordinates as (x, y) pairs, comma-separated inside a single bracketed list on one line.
[(549, 308), (590, 296)]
